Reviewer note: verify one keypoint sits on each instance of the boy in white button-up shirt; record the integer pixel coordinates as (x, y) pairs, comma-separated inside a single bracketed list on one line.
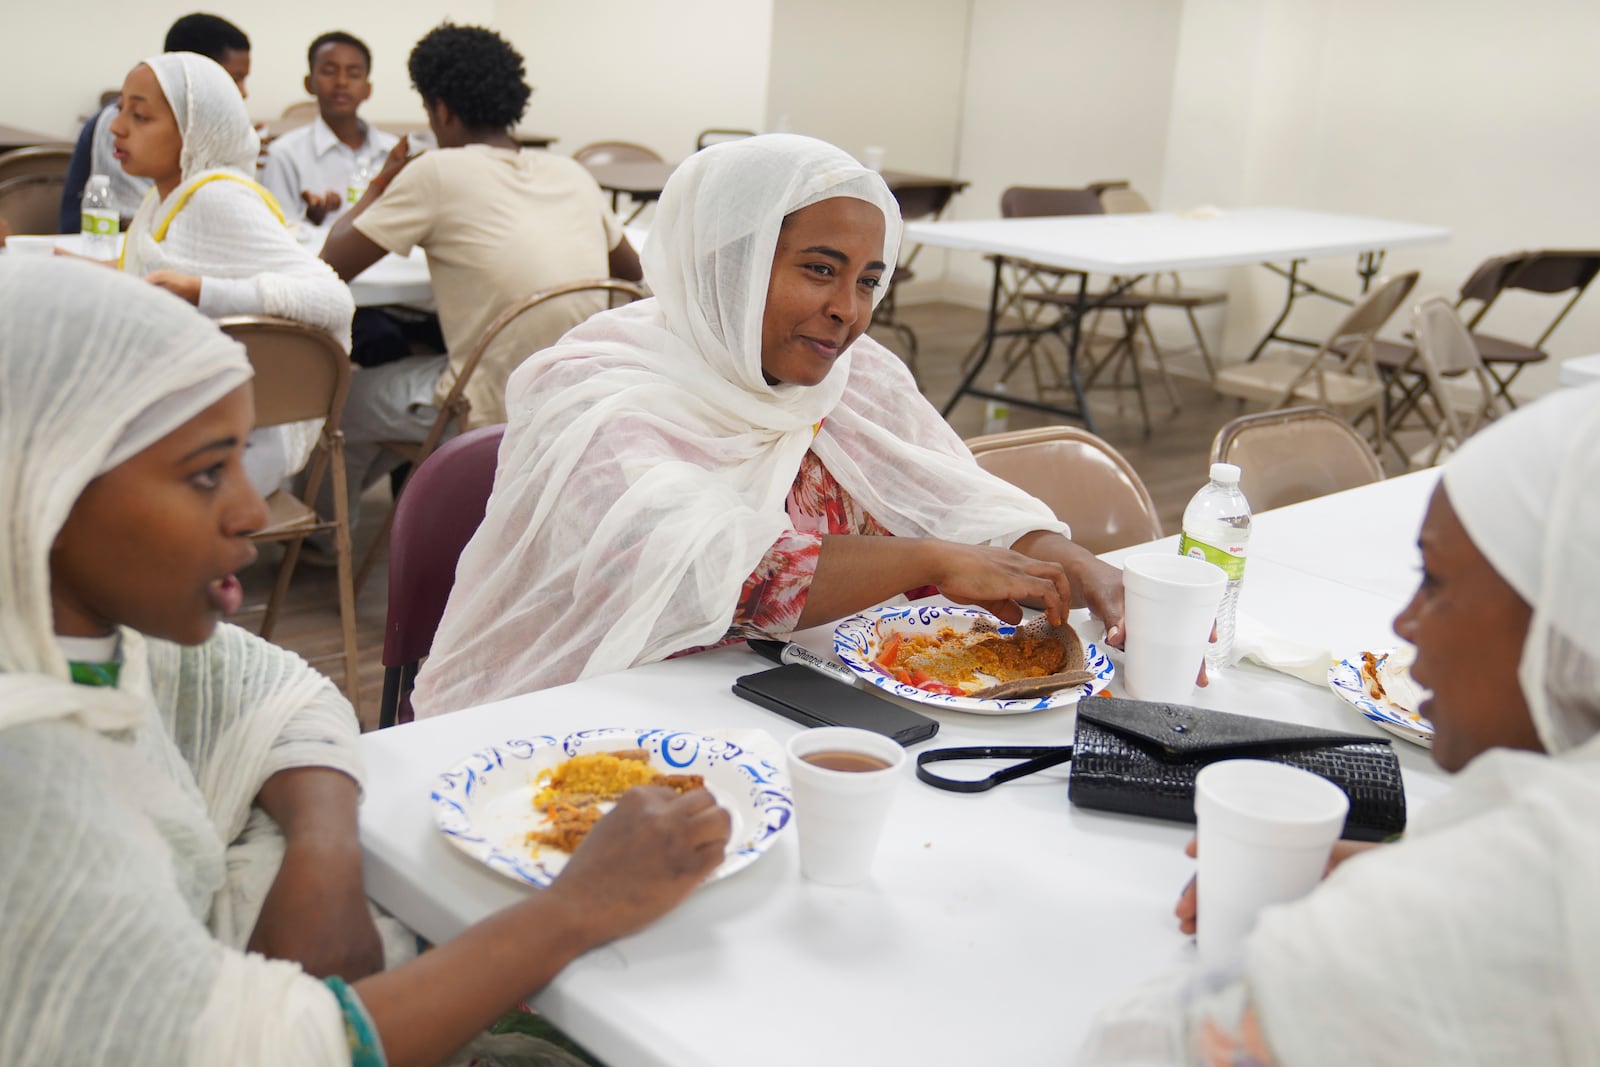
[(309, 169)]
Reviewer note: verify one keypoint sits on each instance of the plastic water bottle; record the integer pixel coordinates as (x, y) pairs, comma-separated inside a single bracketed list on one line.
[(1216, 527), (360, 178), (100, 220), (997, 412)]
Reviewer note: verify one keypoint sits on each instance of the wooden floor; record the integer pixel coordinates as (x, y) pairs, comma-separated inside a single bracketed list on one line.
[(1172, 461)]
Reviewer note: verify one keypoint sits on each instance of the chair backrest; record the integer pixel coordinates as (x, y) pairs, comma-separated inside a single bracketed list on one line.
[(1446, 349), (31, 203), (454, 405), (1295, 454), (1086, 482), (710, 137), (48, 159), (1367, 317), (302, 110), (1027, 202), (301, 372), (602, 152), (1123, 200), (922, 201), (442, 507), (1547, 272)]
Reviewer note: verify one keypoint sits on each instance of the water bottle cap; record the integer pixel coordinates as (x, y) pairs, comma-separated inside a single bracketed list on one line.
[(1226, 473), (99, 181)]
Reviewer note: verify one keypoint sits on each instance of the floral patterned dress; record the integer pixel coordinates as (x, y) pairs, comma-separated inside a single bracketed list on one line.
[(775, 593)]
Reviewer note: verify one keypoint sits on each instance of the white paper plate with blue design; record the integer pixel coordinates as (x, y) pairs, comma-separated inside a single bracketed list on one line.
[(856, 642), (484, 804), (1347, 679)]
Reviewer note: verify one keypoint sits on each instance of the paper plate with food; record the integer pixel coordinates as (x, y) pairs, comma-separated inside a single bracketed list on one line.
[(1380, 686), (521, 807), (965, 659)]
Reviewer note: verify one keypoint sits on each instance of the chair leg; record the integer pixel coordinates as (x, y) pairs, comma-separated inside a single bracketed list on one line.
[(280, 587), (347, 596), (1161, 363), (1200, 343)]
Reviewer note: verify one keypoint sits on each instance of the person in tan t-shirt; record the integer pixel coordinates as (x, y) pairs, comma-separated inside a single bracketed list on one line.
[(498, 222)]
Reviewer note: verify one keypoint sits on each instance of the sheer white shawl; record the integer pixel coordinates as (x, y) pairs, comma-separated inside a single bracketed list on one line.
[(646, 461), (125, 906)]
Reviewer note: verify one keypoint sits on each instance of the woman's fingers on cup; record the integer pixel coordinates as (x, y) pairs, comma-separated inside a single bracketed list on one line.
[(1187, 909)]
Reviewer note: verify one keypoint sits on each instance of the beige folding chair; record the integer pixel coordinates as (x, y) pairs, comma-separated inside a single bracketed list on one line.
[(302, 111), (456, 410), (602, 152), (48, 159), (1352, 388), (31, 203), (303, 374), (1295, 454), (713, 136), (1446, 349), (1122, 200), (1086, 482)]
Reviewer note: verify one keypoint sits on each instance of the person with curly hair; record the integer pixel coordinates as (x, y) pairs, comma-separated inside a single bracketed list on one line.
[(497, 222)]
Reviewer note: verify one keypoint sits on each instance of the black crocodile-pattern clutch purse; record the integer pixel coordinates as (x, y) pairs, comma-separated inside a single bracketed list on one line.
[(1141, 758)]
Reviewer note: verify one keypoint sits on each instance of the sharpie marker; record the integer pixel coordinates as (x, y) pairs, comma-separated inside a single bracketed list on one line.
[(789, 652)]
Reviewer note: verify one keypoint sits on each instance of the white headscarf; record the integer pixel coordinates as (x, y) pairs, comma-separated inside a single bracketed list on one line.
[(1528, 494), (647, 461), (1475, 940), (95, 367)]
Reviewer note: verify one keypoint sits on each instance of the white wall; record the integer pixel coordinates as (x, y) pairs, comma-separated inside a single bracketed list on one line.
[(1061, 92), (641, 70), (1478, 116), (626, 69), (887, 73)]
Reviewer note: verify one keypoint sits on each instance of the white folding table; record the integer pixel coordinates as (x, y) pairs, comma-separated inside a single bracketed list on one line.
[(1130, 246), (995, 924)]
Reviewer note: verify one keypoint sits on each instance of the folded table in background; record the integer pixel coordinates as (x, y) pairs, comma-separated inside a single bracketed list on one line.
[(1131, 246), (994, 926)]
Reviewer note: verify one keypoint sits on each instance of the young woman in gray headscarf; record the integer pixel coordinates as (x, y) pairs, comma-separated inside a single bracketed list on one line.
[(1474, 940)]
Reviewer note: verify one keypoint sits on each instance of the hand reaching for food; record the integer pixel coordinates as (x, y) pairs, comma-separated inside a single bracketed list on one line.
[(643, 858)]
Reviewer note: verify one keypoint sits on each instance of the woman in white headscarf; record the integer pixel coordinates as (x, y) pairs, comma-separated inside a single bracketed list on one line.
[(208, 232), (146, 749), (1475, 939), (723, 459)]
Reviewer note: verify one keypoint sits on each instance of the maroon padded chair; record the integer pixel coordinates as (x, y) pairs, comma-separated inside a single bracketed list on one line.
[(443, 504)]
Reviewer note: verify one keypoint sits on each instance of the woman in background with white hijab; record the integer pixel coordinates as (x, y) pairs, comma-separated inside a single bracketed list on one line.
[(141, 742), (208, 232), (724, 459), (1474, 940)]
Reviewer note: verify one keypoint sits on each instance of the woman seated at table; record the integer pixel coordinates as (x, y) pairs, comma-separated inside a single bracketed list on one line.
[(725, 459), (209, 233), (178, 802), (1475, 939)]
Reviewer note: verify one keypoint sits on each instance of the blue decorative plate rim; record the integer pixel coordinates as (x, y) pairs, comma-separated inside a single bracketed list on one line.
[(735, 769), (1344, 678), (855, 637)]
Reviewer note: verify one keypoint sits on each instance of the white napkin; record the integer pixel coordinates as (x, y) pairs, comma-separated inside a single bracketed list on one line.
[(1253, 640)]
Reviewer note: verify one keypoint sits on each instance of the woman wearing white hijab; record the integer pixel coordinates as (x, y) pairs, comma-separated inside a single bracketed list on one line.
[(140, 741), (208, 232), (658, 459), (1475, 939)]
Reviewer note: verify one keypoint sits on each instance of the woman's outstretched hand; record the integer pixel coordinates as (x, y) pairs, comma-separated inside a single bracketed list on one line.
[(1000, 581), (643, 859)]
